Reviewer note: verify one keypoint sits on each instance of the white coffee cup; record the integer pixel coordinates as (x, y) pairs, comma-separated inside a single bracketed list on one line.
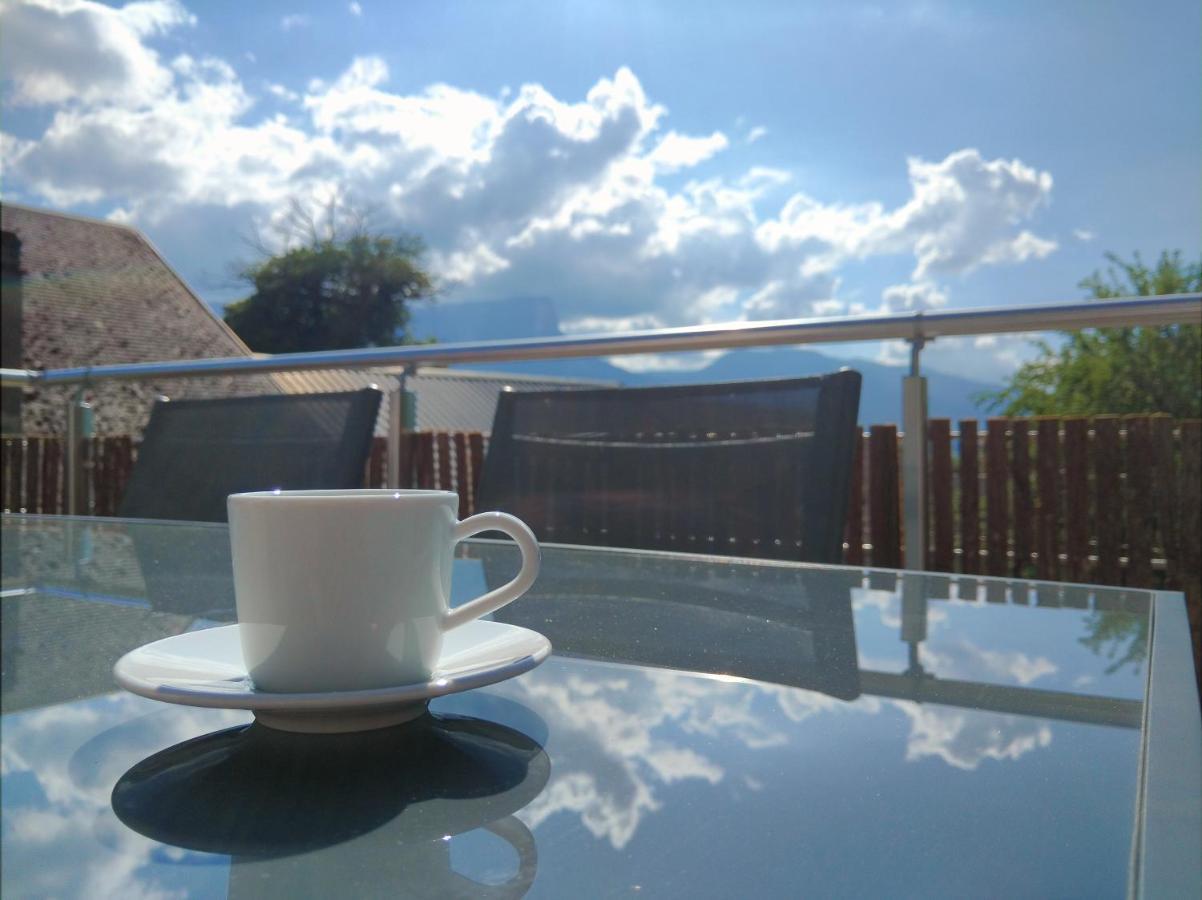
[(342, 590)]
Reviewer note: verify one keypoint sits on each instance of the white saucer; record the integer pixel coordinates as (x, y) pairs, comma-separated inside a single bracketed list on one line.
[(205, 668)]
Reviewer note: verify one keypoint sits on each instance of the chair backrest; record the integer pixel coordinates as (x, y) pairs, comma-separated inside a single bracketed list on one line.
[(195, 453), (759, 469)]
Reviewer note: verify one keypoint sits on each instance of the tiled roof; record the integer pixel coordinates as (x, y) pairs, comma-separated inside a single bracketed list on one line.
[(447, 399), (96, 293)]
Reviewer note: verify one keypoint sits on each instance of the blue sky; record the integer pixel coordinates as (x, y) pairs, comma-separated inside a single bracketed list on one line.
[(643, 164)]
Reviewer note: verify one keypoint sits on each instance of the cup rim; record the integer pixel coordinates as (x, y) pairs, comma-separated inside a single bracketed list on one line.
[(279, 495)]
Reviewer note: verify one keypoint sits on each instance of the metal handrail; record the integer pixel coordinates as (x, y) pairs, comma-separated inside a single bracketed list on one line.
[(920, 326), (917, 328)]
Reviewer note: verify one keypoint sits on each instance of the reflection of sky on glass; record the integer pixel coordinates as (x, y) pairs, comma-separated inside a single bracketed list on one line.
[(875, 796), (61, 837), (650, 768), (688, 784), (1023, 646)]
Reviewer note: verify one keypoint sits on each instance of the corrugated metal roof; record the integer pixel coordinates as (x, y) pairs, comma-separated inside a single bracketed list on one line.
[(447, 399)]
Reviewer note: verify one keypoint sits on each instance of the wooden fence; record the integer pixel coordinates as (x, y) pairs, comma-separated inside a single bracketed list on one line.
[(1106, 500)]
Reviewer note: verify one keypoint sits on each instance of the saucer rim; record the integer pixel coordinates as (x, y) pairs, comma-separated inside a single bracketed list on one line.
[(180, 692)]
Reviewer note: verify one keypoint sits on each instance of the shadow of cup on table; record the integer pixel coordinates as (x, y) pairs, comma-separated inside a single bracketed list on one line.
[(342, 814)]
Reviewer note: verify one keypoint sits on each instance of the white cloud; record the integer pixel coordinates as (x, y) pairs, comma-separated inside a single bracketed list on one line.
[(516, 193), (355, 8), (295, 20), (966, 738), (1084, 234), (913, 297), (80, 51), (55, 749), (677, 151), (755, 134), (960, 216), (612, 785), (964, 659), (278, 90)]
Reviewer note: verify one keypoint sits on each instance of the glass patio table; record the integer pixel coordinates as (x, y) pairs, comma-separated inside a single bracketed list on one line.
[(704, 727)]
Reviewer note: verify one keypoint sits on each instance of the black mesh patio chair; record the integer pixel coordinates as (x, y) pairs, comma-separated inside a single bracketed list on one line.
[(759, 469), (195, 453)]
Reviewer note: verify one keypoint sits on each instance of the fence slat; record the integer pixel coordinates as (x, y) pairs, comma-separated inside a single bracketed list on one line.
[(1141, 513), (463, 484), (1048, 472), (475, 447), (1108, 510), (1167, 497), (970, 501), (1077, 521), (997, 513), (127, 466), (52, 475), (854, 532), (425, 460), (1191, 496), (1024, 507), (377, 461), (1190, 530), (942, 556), (409, 461), (884, 497), (14, 452), (32, 490), (102, 479), (444, 460)]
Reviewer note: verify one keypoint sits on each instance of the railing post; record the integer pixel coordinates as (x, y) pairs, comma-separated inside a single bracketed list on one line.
[(78, 458), (914, 457), (402, 417), (913, 618)]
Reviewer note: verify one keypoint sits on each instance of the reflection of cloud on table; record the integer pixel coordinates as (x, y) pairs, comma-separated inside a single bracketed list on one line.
[(962, 658), (612, 784), (69, 804), (964, 738)]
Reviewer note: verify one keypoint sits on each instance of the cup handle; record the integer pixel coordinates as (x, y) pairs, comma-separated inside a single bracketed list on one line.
[(506, 593)]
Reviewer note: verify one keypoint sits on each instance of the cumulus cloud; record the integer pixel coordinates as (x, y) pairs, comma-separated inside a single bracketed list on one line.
[(80, 51), (55, 750), (913, 296), (515, 193), (678, 151), (961, 215), (966, 738), (962, 658), (613, 785)]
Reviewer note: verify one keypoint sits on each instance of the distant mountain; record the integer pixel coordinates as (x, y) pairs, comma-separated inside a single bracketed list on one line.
[(880, 398)]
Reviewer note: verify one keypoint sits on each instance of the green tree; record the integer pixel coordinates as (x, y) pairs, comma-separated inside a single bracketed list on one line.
[(333, 293), (1116, 370)]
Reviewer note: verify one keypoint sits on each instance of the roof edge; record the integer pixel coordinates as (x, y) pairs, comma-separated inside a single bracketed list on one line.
[(76, 217)]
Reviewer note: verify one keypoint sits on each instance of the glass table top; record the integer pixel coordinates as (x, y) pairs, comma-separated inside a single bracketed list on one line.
[(705, 727)]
